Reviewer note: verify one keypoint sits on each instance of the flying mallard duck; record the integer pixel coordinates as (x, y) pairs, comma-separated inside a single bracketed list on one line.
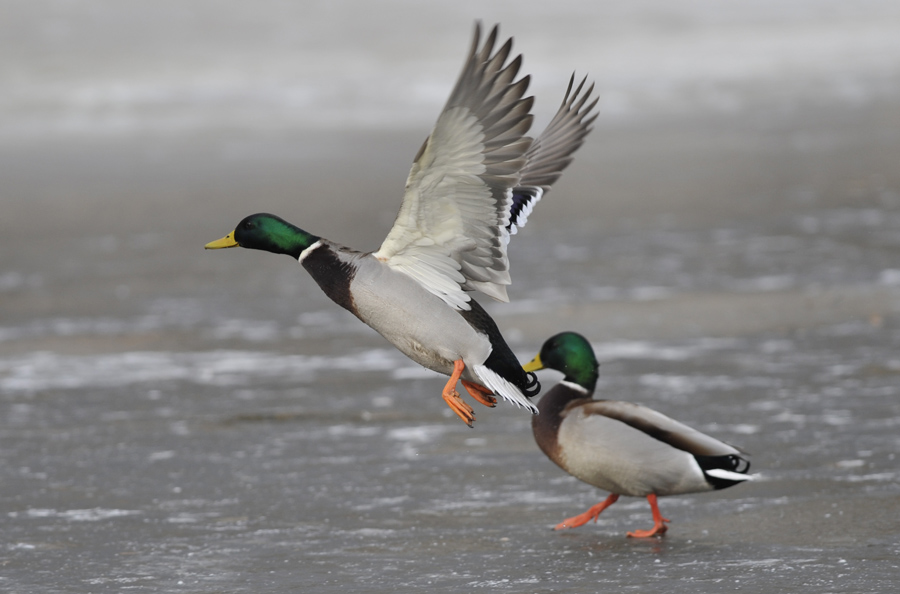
[(623, 448), (473, 184)]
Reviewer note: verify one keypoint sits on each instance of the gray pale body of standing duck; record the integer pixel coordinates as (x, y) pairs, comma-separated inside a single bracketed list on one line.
[(621, 447), (473, 184)]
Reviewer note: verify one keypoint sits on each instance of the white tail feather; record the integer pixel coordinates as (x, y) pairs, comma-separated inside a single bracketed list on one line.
[(503, 388), (728, 475)]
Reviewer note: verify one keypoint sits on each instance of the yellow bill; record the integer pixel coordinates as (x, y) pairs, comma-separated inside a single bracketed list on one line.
[(226, 242), (534, 365)]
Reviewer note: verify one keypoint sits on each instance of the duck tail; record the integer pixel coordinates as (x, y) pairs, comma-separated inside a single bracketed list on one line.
[(724, 471)]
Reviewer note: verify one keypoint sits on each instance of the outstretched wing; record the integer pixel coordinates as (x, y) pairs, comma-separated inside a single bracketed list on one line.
[(451, 232), (552, 152)]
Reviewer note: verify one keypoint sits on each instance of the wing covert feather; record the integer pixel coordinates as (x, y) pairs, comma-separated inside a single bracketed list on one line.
[(661, 427)]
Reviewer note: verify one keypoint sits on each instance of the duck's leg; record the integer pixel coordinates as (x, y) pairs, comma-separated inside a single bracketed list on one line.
[(480, 393), (591, 514), (451, 396), (659, 522)]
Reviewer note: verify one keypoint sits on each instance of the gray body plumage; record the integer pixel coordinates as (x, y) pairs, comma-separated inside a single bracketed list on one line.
[(626, 448), (410, 317), (616, 457), (414, 320)]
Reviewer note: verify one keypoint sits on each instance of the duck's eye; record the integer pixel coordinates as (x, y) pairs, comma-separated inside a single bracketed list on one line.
[(249, 225)]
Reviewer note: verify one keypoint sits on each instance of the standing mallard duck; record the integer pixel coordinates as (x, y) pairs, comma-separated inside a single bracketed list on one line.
[(472, 184), (620, 447)]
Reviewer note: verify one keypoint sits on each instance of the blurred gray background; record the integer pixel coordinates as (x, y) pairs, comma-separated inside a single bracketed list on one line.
[(179, 420)]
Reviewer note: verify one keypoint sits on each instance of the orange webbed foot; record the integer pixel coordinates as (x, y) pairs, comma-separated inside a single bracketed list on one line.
[(456, 404), (657, 530), (452, 398), (576, 521), (591, 514), (480, 394)]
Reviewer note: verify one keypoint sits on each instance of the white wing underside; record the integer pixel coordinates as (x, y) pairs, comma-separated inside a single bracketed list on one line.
[(446, 217), (451, 232)]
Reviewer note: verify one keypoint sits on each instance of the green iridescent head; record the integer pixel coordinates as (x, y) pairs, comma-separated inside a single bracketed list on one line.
[(266, 232), (570, 353)]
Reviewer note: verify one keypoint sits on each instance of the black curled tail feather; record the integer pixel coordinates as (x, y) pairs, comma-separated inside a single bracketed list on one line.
[(730, 462), (738, 464), (534, 386)]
